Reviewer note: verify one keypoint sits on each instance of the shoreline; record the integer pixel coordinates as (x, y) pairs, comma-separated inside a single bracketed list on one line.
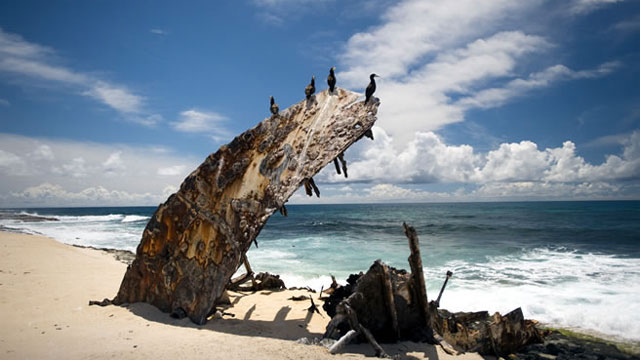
[(46, 286)]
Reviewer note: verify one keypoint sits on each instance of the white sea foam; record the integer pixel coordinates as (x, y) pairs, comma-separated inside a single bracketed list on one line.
[(89, 230), (132, 218), (590, 292), (90, 218), (584, 291), (316, 283)]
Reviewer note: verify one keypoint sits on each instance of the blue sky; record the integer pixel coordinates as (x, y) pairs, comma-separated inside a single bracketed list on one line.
[(114, 102)]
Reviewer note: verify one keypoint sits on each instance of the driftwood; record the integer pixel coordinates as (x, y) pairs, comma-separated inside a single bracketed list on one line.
[(195, 241), (234, 284), (343, 341), (389, 304)]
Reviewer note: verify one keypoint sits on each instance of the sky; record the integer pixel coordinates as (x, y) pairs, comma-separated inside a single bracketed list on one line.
[(106, 103)]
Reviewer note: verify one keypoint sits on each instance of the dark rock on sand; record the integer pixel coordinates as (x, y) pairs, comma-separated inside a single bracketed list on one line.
[(124, 256), (24, 217), (560, 346)]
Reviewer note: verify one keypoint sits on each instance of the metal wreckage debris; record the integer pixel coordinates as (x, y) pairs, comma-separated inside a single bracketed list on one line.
[(198, 238)]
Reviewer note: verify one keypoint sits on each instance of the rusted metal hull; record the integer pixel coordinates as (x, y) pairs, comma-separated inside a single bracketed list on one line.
[(196, 240)]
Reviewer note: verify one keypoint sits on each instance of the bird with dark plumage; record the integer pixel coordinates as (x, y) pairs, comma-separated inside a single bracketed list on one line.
[(274, 107), (331, 79), (371, 88), (311, 88)]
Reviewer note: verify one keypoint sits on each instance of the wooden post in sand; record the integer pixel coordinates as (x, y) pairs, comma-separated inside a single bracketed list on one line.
[(196, 240)]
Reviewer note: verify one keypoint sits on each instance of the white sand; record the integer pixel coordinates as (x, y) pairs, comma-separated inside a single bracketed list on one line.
[(45, 287)]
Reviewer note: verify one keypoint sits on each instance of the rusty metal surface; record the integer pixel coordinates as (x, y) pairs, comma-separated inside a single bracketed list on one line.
[(195, 241)]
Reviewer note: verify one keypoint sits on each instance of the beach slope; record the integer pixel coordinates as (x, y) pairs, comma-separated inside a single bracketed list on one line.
[(45, 288)]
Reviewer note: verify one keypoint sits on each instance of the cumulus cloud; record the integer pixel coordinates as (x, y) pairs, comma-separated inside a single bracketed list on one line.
[(22, 58), (74, 168), (428, 159), (47, 194), (28, 162), (42, 152), (378, 193)]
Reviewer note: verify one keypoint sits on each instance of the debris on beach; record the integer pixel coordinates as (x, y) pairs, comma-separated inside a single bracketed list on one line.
[(388, 305), (262, 281), (198, 238)]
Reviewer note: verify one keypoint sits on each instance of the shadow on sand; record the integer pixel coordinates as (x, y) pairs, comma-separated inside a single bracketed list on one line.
[(261, 314)]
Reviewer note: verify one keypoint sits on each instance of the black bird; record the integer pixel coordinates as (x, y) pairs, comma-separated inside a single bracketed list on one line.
[(311, 88), (331, 79), (371, 88), (274, 107)]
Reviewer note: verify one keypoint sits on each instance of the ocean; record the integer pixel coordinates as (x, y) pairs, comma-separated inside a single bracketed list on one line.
[(574, 265)]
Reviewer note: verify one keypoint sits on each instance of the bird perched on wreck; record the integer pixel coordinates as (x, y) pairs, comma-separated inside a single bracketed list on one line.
[(274, 107), (311, 88), (331, 79), (371, 88)]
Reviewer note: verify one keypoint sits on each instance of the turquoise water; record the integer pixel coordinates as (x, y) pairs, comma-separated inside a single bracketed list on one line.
[(569, 264)]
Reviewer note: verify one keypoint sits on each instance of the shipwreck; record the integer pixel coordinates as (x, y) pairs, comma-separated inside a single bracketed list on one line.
[(198, 238)]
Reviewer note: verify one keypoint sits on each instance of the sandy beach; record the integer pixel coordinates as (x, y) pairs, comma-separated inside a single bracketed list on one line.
[(45, 288)]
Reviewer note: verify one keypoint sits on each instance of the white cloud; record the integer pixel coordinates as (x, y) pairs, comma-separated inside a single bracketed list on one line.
[(74, 168), (11, 164), (77, 166), (158, 31), (586, 6), (629, 25), (47, 194), (114, 163), (530, 190), (440, 59), (378, 193), (40, 70), (494, 97), (428, 159), (169, 190), (274, 12), (15, 45), (198, 121), (204, 122), (118, 98), (172, 170), (22, 58), (413, 29), (42, 152)]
